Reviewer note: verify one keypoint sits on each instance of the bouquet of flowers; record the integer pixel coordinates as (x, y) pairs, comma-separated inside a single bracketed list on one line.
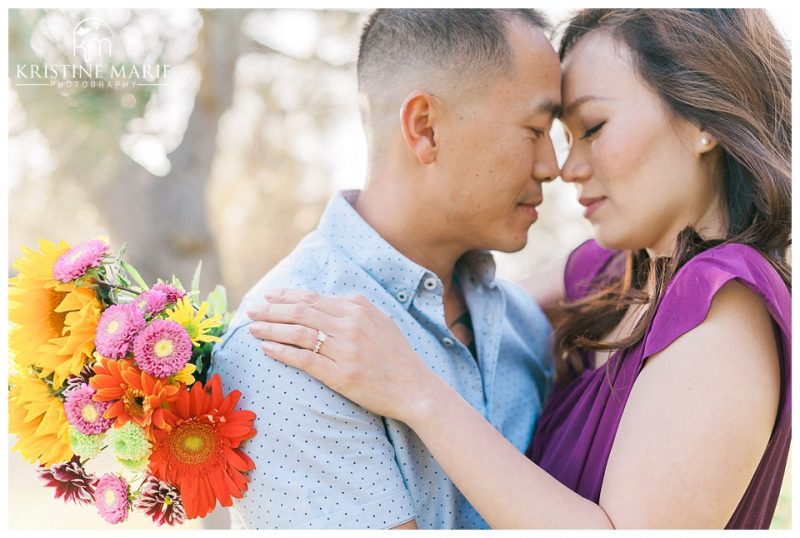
[(103, 362)]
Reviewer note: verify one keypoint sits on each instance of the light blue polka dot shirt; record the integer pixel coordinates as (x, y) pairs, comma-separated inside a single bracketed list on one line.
[(324, 462)]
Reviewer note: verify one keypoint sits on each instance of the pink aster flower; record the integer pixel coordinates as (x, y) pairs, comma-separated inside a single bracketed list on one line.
[(111, 498), (151, 301), (163, 348), (161, 501), (70, 480), (86, 414), (173, 293), (116, 330), (76, 261)]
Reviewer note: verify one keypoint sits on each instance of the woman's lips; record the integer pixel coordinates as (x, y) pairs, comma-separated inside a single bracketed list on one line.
[(591, 204)]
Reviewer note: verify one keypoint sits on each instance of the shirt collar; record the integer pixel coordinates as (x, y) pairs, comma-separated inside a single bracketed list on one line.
[(349, 233)]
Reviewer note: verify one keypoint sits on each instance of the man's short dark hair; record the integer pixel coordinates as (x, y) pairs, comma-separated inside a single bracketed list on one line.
[(459, 41)]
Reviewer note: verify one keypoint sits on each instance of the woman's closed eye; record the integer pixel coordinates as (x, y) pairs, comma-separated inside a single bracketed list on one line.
[(592, 131)]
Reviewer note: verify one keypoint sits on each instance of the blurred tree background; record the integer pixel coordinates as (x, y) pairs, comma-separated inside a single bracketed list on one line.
[(230, 158), (230, 161)]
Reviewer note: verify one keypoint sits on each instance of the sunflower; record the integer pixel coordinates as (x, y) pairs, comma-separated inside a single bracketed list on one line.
[(37, 417), (136, 395), (53, 324), (200, 452), (194, 323)]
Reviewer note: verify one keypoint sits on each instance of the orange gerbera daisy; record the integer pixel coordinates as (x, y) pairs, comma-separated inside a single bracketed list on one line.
[(137, 395), (199, 453)]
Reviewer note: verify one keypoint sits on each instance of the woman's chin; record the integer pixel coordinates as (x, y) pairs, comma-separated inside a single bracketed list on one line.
[(614, 241)]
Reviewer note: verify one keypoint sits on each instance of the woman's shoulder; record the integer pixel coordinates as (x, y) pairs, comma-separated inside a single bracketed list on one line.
[(689, 295)]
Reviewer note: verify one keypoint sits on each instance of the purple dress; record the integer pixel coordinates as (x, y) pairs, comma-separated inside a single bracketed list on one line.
[(576, 430)]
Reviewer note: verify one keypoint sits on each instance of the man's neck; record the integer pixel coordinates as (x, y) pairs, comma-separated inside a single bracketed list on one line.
[(404, 223), (399, 219)]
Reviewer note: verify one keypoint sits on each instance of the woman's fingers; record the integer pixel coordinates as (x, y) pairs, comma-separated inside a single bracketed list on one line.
[(294, 313), (296, 335), (316, 365), (330, 304)]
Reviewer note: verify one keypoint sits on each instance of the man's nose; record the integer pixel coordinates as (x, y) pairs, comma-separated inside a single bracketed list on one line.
[(545, 167)]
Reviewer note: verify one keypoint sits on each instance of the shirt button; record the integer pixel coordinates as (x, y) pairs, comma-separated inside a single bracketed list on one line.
[(430, 283), (402, 296), (448, 342)]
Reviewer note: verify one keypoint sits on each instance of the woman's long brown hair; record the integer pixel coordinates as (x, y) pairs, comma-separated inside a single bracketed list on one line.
[(729, 72)]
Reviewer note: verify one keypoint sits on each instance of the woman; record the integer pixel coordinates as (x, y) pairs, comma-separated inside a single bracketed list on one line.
[(673, 398)]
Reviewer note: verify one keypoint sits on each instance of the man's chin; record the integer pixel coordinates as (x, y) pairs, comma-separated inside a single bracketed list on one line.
[(509, 247)]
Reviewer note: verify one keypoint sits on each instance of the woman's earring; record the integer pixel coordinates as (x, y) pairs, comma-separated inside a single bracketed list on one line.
[(705, 141)]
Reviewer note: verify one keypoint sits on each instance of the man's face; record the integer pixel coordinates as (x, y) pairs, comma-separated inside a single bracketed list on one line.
[(495, 148)]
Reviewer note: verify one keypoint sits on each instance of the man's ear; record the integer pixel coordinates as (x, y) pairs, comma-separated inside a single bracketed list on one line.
[(417, 118)]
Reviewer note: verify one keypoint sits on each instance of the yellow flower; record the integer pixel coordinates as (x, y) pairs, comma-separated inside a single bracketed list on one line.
[(184, 376), (52, 324), (37, 417), (183, 313)]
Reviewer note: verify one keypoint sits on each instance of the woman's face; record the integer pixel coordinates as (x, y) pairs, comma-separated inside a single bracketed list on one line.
[(642, 176)]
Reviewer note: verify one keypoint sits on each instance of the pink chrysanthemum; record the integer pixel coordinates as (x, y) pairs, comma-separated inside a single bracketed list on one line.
[(151, 301), (70, 480), (111, 498), (116, 330), (161, 501), (76, 261), (163, 348), (173, 293), (86, 414)]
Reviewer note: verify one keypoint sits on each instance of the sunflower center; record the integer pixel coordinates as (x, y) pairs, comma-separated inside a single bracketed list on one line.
[(163, 348), (89, 413), (55, 319), (112, 327), (193, 442), (133, 400), (110, 498)]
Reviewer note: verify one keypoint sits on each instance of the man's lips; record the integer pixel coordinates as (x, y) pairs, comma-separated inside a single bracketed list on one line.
[(591, 203), (531, 209)]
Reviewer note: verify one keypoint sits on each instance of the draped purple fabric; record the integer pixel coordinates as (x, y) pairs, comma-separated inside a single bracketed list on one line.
[(576, 430)]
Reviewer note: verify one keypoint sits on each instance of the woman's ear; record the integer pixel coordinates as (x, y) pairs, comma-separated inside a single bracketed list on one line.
[(417, 118), (704, 143)]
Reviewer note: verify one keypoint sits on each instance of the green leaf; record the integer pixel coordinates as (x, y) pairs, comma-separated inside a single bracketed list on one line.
[(134, 274), (217, 301), (177, 283), (194, 292), (122, 250)]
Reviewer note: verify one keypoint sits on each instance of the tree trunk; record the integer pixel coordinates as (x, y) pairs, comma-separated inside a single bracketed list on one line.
[(164, 220)]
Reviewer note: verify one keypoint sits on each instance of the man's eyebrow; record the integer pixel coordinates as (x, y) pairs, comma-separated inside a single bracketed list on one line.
[(570, 108), (551, 107)]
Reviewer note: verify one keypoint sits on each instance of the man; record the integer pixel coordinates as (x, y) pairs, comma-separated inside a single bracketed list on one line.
[(458, 172)]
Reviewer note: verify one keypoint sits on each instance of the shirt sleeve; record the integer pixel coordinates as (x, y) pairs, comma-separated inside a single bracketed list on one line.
[(321, 461)]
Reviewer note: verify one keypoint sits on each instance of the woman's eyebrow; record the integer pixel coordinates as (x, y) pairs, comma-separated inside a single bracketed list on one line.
[(571, 107)]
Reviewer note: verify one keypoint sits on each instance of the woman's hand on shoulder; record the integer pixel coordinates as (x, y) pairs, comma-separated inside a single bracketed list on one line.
[(364, 355), (697, 421)]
